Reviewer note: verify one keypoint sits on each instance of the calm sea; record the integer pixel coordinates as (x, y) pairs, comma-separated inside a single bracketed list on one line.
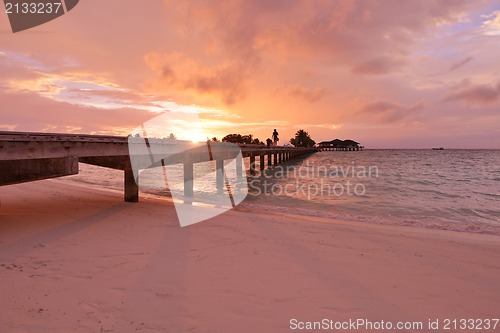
[(441, 189)]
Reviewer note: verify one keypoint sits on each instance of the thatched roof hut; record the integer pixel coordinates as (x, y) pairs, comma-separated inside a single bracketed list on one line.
[(337, 143)]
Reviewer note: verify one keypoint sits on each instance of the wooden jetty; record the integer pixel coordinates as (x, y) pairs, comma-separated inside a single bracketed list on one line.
[(26, 157)]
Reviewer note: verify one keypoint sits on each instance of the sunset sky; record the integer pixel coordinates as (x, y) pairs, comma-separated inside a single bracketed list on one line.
[(389, 74)]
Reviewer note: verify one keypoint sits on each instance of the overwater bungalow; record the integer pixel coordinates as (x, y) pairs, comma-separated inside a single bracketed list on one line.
[(340, 145)]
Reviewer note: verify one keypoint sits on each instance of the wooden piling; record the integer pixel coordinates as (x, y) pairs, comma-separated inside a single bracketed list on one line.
[(219, 174), (252, 164), (239, 167), (188, 179), (131, 193)]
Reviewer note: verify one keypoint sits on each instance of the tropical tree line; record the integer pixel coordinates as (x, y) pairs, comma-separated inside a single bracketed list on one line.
[(301, 139), (238, 138)]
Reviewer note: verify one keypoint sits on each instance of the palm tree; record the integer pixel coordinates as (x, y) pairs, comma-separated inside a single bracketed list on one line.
[(302, 139)]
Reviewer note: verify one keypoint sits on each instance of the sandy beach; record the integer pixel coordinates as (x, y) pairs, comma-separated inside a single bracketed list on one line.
[(79, 259)]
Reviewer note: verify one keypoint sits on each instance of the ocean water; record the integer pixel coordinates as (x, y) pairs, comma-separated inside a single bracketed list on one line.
[(440, 189)]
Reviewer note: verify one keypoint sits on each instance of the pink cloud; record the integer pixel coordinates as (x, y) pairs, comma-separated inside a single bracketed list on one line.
[(477, 94), (378, 66), (456, 65), (460, 63), (235, 44), (345, 31), (388, 112)]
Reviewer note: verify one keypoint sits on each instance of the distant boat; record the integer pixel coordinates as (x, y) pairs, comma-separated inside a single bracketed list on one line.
[(438, 148)]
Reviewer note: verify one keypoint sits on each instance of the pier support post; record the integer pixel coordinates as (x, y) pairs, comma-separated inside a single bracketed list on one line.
[(239, 167), (219, 174), (269, 159), (262, 164), (131, 193), (252, 165), (188, 179)]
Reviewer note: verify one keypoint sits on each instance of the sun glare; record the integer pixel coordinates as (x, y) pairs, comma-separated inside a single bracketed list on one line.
[(196, 136)]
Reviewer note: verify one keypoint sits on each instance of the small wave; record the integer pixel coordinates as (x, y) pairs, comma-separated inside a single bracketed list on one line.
[(439, 194), (425, 182), (494, 195), (429, 222)]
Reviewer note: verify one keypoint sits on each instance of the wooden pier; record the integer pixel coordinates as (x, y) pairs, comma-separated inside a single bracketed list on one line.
[(26, 157)]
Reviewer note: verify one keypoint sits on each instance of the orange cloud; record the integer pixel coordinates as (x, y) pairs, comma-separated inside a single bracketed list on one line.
[(177, 71), (310, 95)]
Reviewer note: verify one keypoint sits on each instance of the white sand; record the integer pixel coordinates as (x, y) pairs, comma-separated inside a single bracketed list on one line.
[(76, 259)]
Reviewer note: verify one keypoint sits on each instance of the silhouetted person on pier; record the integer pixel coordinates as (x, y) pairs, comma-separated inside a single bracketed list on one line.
[(275, 137), (269, 142)]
